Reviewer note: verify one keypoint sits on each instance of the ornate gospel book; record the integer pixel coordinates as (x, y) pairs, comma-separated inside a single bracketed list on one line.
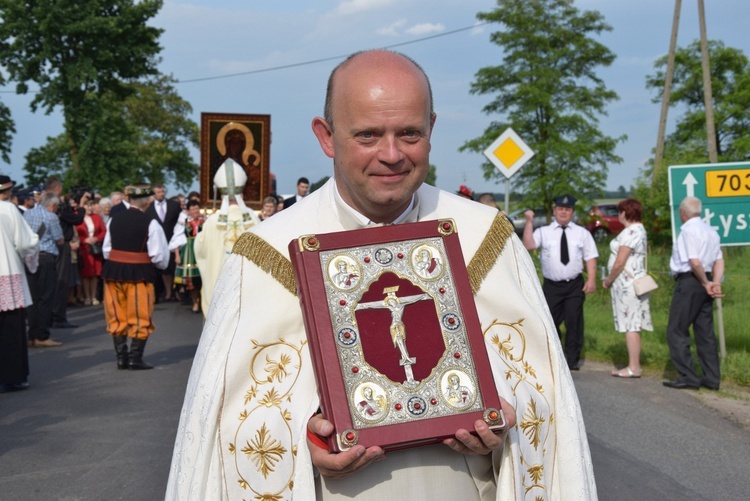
[(396, 343)]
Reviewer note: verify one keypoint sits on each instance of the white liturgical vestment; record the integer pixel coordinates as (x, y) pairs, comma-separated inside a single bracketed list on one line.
[(242, 432), (214, 243)]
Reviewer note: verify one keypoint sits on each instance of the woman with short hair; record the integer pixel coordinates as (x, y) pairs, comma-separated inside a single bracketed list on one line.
[(627, 261)]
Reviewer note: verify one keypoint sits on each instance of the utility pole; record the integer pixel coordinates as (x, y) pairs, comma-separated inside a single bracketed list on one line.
[(713, 156), (667, 92)]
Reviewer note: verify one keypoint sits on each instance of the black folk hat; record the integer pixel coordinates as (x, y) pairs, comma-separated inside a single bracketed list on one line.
[(6, 183)]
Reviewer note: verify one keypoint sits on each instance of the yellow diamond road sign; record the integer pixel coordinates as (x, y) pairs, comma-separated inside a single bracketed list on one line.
[(508, 153)]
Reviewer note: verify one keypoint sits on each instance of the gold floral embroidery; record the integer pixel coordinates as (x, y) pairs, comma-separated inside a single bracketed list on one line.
[(264, 451), (251, 394), (271, 399), (536, 473), (532, 423), (277, 369), (273, 373), (269, 497)]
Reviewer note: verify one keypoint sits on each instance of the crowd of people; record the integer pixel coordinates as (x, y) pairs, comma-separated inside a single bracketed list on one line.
[(74, 235)]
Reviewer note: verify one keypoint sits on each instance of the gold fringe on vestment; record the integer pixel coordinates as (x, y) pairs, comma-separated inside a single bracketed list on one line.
[(268, 259), (489, 250)]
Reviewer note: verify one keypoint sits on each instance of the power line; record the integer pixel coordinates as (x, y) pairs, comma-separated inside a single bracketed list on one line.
[(306, 63), (331, 58)]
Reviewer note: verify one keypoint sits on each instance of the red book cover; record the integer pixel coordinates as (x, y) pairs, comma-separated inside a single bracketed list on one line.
[(395, 339)]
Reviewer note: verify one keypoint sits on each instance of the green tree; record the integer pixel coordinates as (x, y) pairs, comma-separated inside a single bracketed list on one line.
[(547, 90), (688, 144), (146, 136), (431, 178), (320, 182), (88, 58), (7, 129), (730, 88)]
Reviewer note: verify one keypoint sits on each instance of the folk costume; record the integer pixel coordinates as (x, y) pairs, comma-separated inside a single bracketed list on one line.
[(17, 244), (222, 228), (134, 247), (186, 273), (242, 432)]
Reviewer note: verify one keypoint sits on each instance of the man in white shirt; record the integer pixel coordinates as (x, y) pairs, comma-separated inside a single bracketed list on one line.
[(697, 265), (565, 248)]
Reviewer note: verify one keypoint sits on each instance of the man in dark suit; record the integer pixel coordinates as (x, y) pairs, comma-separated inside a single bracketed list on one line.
[(303, 186), (166, 212)]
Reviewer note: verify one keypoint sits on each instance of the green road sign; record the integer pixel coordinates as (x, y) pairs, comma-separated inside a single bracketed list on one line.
[(724, 190)]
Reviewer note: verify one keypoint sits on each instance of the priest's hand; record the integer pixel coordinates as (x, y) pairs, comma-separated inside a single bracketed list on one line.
[(486, 440), (341, 464)]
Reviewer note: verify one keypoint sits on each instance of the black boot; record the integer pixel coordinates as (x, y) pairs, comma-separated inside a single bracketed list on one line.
[(136, 355), (121, 348)]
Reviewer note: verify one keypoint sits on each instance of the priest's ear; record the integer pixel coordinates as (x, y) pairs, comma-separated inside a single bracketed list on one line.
[(324, 134)]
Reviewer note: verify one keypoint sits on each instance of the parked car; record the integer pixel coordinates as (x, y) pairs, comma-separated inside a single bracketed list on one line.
[(519, 221), (603, 222)]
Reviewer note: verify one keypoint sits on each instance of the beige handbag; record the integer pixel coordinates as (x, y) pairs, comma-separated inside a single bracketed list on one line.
[(645, 284)]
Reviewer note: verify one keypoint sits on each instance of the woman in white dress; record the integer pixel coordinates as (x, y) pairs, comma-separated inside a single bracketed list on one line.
[(627, 261)]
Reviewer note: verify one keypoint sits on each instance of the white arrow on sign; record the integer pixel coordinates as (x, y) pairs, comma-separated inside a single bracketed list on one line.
[(690, 183)]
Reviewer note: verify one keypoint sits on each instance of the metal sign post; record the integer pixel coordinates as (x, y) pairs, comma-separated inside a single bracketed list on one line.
[(508, 153)]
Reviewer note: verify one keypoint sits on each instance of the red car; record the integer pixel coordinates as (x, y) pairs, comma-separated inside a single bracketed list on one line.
[(603, 221)]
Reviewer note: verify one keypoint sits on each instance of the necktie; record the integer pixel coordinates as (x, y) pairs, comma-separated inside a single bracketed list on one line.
[(564, 257), (160, 206)]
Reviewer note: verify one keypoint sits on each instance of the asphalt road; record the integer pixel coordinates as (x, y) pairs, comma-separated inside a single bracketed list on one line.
[(86, 431)]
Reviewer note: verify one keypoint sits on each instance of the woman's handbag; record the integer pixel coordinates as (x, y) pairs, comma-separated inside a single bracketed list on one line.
[(644, 285), (95, 249)]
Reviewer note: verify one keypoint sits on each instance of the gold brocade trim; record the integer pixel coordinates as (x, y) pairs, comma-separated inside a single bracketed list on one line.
[(268, 259), (490, 248)]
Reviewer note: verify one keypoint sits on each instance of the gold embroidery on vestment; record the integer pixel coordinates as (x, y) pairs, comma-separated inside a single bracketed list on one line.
[(267, 258), (264, 451), (531, 424), (490, 248), (534, 424), (273, 372)]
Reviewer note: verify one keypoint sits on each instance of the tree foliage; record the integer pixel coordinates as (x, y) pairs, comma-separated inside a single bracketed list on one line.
[(145, 136), (97, 61), (431, 178), (547, 90), (688, 143), (730, 89)]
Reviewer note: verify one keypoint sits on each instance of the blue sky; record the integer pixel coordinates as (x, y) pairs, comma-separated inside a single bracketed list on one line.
[(204, 38)]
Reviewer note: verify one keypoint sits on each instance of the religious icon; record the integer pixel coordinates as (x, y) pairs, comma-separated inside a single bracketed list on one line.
[(371, 402), (343, 272), (427, 263), (455, 393), (396, 306), (246, 140)]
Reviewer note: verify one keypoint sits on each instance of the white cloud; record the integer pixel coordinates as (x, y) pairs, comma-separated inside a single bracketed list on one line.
[(355, 6), (392, 29), (425, 28)]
